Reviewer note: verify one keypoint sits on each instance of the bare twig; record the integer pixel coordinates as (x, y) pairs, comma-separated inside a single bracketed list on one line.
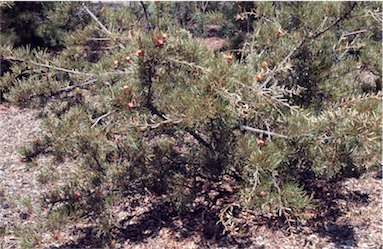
[(98, 21), (190, 64), (268, 130), (227, 227), (99, 119), (97, 39), (190, 130), (376, 16), (48, 66), (156, 125), (356, 32), (100, 24), (68, 88), (344, 16), (204, 6), (323, 23), (244, 127), (116, 73), (350, 47), (256, 15)]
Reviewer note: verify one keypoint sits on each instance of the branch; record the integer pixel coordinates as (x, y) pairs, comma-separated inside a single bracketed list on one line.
[(268, 130), (77, 85), (99, 119), (100, 24), (272, 73), (376, 16), (98, 21), (167, 121), (333, 154), (146, 15), (244, 127), (341, 18), (65, 89), (190, 64), (48, 66), (222, 215), (197, 136), (313, 36), (350, 47), (355, 32), (98, 39)]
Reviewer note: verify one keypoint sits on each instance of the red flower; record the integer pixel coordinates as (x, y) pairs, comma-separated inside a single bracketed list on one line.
[(77, 195), (261, 142), (56, 235), (117, 139)]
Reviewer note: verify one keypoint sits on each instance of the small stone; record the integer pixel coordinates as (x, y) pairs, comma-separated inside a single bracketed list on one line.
[(23, 215), (212, 194), (227, 187)]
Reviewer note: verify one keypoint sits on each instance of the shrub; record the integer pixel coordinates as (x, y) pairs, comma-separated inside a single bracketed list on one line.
[(154, 113)]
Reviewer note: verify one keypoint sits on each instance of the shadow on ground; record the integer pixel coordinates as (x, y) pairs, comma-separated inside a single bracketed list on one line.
[(327, 222), (202, 223)]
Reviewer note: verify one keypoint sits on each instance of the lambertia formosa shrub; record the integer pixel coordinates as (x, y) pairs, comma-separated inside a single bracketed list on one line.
[(142, 107)]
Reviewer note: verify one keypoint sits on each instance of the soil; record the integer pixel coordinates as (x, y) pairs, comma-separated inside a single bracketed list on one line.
[(348, 214)]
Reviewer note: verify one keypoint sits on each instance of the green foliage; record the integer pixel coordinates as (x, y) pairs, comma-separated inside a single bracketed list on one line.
[(30, 236), (138, 115), (43, 24)]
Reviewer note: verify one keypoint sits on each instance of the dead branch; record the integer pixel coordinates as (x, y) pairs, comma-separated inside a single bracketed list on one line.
[(156, 125), (100, 118), (68, 88), (355, 32), (100, 24), (98, 21), (47, 66), (244, 127)]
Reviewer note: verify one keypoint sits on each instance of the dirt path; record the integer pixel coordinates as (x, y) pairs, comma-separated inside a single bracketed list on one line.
[(357, 223)]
